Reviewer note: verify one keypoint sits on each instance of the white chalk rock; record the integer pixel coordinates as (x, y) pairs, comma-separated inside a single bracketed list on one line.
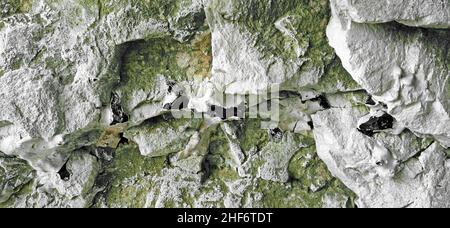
[(164, 137), (58, 63), (430, 13), (386, 170), (239, 65), (71, 189), (404, 68)]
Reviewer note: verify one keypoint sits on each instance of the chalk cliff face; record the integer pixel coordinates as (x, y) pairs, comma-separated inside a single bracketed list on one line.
[(224, 103)]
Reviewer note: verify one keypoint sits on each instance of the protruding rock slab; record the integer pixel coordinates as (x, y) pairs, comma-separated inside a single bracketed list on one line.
[(384, 170), (402, 67), (430, 13)]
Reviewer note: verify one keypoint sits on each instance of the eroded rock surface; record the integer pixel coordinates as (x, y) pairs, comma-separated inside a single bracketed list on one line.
[(430, 14), (407, 69), (386, 170), (123, 103)]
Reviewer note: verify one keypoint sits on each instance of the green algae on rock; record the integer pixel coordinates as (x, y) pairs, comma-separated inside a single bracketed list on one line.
[(10, 7), (88, 91), (14, 175), (142, 181), (118, 54), (147, 64)]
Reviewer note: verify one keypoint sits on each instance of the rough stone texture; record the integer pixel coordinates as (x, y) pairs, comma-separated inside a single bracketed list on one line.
[(385, 171), (430, 13), (71, 187), (92, 91), (256, 44), (14, 174), (137, 181), (56, 72), (406, 69), (163, 138)]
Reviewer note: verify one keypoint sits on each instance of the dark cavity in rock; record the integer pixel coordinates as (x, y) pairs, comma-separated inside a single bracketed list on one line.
[(375, 124), (207, 168), (276, 134), (323, 101), (370, 101), (158, 119), (63, 173), (123, 140), (170, 85), (290, 94), (311, 124), (119, 116)]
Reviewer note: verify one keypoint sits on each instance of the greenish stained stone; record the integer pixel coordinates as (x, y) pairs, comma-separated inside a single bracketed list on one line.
[(218, 151), (74, 163), (436, 39), (357, 98), (309, 170), (336, 79), (188, 23), (132, 176), (251, 135), (309, 181), (17, 64), (157, 9), (143, 62), (91, 4), (15, 174), (10, 7), (293, 195), (420, 143), (52, 63), (277, 195), (130, 165), (260, 16), (307, 23), (26, 190)]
